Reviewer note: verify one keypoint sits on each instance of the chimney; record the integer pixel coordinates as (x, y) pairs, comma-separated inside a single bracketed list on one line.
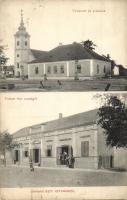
[(42, 127), (60, 116)]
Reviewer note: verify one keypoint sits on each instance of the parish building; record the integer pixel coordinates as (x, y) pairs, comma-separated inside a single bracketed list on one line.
[(62, 62)]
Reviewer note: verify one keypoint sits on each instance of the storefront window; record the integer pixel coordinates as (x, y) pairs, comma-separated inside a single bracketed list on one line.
[(49, 151)]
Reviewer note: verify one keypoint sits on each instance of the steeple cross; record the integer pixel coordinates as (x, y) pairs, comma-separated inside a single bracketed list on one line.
[(22, 14)]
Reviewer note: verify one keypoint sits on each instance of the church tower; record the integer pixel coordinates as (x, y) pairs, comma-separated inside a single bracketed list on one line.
[(22, 50)]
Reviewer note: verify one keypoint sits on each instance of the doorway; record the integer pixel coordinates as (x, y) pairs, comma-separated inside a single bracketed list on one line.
[(17, 153), (62, 152), (36, 155), (64, 149), (111, 161)]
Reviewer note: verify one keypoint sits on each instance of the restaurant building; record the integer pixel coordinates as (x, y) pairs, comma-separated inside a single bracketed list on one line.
[(77, 135)]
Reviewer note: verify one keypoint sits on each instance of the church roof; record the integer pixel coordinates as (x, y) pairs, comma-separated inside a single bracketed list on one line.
[(74, 51), (85, 118), (38, 53)]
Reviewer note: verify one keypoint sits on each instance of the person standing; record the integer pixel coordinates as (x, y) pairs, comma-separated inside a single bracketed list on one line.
[(71, 161), (31, 165), (65, 156)]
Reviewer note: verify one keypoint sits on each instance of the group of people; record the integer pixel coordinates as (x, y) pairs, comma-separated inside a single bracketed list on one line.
[(67, 160)]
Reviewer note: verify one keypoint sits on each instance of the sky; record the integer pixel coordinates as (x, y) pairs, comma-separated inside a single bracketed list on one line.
[(19, 110), (50, 22), (25, 109)]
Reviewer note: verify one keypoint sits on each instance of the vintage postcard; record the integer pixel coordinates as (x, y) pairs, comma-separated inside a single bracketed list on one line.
[(63, 45), (53, 146), (63, 99)]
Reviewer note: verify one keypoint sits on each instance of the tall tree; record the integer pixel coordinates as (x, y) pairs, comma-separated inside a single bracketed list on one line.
[(113, 119), (89, 44), (3, 58), (6, 143)]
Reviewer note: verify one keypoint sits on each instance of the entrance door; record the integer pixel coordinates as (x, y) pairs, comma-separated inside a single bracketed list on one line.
[(111, 161), (65, 149), (17, 154), (60, 153), (36, 155)]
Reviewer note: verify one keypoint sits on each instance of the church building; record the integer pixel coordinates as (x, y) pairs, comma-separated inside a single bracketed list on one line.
[(64, 61), (78, 135)]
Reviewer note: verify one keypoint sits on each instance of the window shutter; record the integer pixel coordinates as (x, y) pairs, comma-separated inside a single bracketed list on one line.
[(84, 148)]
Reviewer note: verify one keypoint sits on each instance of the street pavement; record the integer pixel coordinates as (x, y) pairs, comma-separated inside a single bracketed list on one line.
[(11, 176)]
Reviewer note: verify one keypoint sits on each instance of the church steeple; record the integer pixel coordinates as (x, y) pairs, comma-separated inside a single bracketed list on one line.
[(22, 27), (22, 49)]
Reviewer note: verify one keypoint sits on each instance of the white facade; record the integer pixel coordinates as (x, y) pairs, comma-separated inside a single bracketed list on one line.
[(22, 53), (88, 68), (65, 61), (45, 144), (116, 71)]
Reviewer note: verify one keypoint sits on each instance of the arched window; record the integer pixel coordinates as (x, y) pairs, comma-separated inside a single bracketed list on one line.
[(17, 55), (36, 70), (49, 70), (55, 69), (62, 69), (25, 43), (17, 43), (17, 65), (98, 69)]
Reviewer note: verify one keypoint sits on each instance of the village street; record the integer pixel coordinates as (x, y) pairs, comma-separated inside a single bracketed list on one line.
[(63, 85), (56, 177)]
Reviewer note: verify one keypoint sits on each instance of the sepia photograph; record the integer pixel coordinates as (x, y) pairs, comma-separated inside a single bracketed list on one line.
[(63, 100), (57, 142), (64, 45)]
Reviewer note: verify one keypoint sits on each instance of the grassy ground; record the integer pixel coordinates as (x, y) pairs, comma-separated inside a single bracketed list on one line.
[(66, 85), (23, 177)]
